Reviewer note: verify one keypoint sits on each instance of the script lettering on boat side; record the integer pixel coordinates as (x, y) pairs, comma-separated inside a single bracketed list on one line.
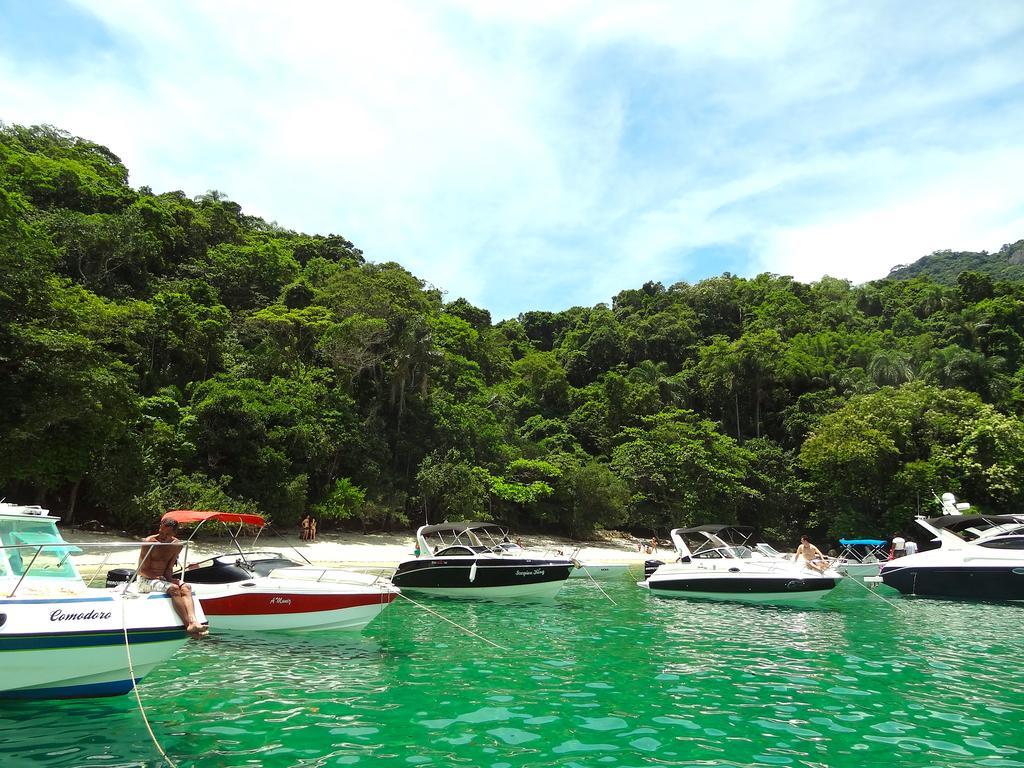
[(59, 615), (534, 572), (280, 601)]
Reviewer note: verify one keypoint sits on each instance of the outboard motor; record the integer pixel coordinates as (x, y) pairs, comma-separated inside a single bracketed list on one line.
[(117, 576), (650, 566)]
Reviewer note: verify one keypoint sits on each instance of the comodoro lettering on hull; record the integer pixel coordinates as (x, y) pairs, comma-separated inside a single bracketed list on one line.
[(59, 615)]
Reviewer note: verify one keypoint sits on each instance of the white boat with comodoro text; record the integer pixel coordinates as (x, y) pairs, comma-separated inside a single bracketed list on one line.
[(60, 637)]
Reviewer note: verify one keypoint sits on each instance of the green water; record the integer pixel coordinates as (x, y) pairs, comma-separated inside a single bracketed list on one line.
[(579, 682)]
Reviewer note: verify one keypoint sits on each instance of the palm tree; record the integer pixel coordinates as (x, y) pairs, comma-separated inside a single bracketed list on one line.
[(890, 367)]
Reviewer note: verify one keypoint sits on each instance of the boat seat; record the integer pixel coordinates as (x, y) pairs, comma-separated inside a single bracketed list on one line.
[(217, 573), (17, 564)]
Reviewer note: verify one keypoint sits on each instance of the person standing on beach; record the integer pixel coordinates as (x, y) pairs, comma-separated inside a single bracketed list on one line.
[(312, 529), (156, 574), (304, 528)]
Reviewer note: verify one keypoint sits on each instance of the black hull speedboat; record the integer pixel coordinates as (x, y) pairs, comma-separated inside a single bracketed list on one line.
[(982, 583), (468, 560), (980, 557)]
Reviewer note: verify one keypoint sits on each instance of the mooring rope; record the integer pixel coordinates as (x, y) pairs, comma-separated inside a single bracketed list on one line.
[(872, 592), (453, 623), (135, 687), (587, 571), (291, 546)]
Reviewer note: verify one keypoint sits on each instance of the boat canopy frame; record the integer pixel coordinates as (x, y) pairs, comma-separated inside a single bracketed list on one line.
[(200, 517), (715, 536), (463, 534), (872, 548)]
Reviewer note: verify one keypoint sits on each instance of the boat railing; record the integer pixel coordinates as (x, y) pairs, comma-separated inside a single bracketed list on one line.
[(65, 550), (551, 553)]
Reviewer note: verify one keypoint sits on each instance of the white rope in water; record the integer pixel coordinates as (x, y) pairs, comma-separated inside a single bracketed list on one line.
[(135, 687), (453, 623), (872, 592), (585, 570)]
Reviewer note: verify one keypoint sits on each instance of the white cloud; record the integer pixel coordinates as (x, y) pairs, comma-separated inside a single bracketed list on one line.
[(964, 208), (539, 155)]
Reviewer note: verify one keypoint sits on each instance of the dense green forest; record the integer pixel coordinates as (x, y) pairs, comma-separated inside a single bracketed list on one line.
[(159, 351), (946, 266)]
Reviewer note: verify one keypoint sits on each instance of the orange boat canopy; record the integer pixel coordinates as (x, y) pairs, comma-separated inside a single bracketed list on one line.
[(200, 516)]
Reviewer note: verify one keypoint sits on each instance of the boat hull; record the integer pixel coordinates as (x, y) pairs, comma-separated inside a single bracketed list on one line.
[(483, 578), (859, 570), (71, 648), (291, 611), (604, 570), (785, 590), (971, 582)]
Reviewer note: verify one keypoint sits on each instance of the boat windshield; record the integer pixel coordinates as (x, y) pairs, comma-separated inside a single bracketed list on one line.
[(769, 551), (34, 548), (742, 553)]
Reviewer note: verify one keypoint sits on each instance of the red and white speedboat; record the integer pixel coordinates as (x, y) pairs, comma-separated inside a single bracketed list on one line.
[(267, 591)]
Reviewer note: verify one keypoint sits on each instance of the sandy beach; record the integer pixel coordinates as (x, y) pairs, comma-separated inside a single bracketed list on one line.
[(372, 551)]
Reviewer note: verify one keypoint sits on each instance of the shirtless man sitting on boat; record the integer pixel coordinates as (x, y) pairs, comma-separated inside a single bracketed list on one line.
[(156, 574), (811, 555)]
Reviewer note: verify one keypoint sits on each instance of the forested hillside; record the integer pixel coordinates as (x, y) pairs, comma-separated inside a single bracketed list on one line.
[(159, 351), (946, 266)]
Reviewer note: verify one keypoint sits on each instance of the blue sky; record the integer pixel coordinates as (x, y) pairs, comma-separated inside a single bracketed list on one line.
[(541, 155)]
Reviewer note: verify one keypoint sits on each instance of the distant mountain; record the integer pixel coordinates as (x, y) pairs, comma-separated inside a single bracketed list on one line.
[(946, 266)]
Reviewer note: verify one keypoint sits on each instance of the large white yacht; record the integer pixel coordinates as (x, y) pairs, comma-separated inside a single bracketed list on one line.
[(979, 557)]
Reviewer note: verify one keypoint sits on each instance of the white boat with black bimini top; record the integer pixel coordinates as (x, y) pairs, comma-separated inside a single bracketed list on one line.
[(478, 560), (266, 591), (979, 557), (60, 637), (715, 562)]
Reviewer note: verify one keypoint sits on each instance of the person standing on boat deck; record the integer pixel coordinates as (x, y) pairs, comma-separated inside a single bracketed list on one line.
[(910, 547), (156, 574), (899, 546), (811, 554)]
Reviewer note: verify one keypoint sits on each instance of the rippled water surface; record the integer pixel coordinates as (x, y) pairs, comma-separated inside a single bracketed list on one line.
[(577, 682)]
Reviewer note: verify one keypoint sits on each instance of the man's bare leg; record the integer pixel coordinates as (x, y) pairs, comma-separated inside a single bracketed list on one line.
[(181, 599)]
